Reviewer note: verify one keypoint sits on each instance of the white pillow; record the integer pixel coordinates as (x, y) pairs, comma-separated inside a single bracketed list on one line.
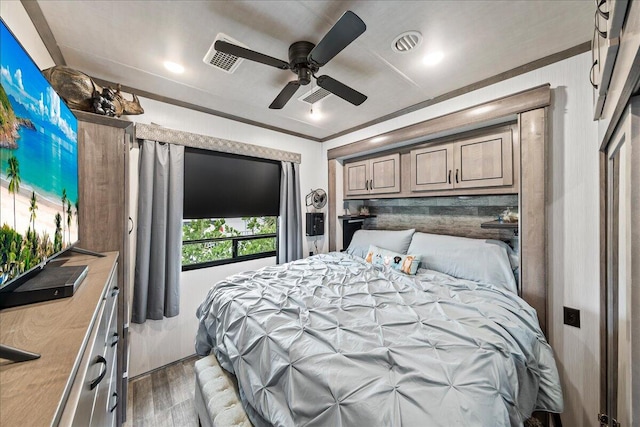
[(480, 260), (396, 241)]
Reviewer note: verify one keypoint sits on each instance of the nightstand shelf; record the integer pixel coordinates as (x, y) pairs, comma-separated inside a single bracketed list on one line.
[(351, 224), (501, 225)]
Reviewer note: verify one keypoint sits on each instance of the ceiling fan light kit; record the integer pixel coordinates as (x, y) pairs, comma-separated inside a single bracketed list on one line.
[(306, 58)]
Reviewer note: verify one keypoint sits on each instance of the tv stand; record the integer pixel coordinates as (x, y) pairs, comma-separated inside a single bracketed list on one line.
[(86, 252), (16, 355)]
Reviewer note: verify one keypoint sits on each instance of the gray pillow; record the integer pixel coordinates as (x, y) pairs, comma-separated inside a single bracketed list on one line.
[(480, 260), (396, 241)]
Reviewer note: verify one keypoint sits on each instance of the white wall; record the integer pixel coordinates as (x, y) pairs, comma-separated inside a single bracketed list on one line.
[(159, 342), (16, 18), (572, 215)]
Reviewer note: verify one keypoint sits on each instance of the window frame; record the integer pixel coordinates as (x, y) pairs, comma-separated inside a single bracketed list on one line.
[(234, 250)]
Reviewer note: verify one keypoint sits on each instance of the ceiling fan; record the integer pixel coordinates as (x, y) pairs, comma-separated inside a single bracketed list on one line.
[(306, 58)]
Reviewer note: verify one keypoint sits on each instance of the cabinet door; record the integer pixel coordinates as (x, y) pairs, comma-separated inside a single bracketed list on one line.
[(432, 168), (484, 162), (385, 174), (356, 178)]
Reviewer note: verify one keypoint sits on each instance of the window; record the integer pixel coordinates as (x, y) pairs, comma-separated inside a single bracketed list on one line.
[(231, 207), (217, 241)]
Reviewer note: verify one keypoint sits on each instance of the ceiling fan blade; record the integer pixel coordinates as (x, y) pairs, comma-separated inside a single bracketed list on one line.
[(347, 29), (341, 90), (285, 95), (241, 52)]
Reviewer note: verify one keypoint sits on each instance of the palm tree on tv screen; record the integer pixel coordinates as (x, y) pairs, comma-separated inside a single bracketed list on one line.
[(57, 238), (69, 218), (64, 202), (33, 207), (13, 173)]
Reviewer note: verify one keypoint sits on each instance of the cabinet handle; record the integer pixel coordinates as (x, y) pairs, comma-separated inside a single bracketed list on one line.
[(366, 185), (371, 185), (103, 362), (603, 34), (115, 291), (449, 179), (599, 4), (131, 222), (595, 86), (116, 339), (115, 405), (457, 176)]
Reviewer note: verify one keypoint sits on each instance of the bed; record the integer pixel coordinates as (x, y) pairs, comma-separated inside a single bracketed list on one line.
[(404, 329)]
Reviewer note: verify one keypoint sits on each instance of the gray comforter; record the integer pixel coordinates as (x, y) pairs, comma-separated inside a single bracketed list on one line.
[(332, 341)]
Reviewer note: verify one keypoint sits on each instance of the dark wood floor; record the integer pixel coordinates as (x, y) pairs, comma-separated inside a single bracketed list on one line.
[(163, 398)]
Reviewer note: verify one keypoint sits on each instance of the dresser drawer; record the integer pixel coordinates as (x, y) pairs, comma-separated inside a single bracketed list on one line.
[(99, 357), (105, 401)]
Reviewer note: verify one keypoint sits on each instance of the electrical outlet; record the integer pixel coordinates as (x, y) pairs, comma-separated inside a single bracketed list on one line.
[(572, 317)]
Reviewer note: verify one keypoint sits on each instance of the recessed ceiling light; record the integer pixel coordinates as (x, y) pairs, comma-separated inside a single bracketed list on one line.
[(406, 41), (433, 58), (173, 67), (315, 113)]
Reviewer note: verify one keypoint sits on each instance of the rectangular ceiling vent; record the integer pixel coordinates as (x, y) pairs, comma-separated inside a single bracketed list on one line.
[(314, 95), (223, 61)]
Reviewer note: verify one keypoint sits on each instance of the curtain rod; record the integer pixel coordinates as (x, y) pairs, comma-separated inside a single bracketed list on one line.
[(188, 139)]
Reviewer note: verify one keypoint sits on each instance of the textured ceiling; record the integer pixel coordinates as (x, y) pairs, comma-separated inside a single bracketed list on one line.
[(128, 41)]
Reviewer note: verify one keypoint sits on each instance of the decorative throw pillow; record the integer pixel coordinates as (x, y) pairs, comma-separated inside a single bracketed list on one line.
[(407, 264)]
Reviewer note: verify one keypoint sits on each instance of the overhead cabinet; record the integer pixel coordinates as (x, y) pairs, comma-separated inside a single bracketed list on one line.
[(485, 161), (373, 176)]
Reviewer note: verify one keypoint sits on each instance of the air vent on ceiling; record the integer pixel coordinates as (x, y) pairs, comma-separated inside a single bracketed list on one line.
[(406, 41), (314, 95), (223, 61)]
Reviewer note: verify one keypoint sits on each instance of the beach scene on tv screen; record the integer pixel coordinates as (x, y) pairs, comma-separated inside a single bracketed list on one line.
[(38, 164)]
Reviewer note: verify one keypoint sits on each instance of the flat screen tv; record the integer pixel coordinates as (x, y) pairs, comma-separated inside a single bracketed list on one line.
[(38, 167)]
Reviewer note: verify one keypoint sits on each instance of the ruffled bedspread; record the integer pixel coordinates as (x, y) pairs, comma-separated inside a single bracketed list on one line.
[(332, 341)]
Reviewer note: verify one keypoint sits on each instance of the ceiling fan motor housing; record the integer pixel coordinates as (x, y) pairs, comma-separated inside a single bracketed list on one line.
[(298, 60)]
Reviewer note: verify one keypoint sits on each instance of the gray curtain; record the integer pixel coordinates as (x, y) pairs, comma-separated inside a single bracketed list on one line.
[(156, 291), (290, 225)]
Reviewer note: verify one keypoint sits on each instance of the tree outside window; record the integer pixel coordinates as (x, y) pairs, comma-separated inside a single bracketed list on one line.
[(215, 239)]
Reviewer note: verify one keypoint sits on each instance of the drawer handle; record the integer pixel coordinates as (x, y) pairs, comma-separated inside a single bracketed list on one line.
[(115, 340), (115, 291), (595, 86), (457, 176), (103, 362), (115, 405), (599, 4), (449, 179)]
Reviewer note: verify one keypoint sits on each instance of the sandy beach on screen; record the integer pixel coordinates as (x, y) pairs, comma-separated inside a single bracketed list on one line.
[(45, 213)]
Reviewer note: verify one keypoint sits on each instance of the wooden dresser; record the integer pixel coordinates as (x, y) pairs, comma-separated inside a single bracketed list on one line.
[(74, 380)]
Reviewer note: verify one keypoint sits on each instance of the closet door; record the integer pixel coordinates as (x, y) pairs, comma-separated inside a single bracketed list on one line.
[(620, 292)]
